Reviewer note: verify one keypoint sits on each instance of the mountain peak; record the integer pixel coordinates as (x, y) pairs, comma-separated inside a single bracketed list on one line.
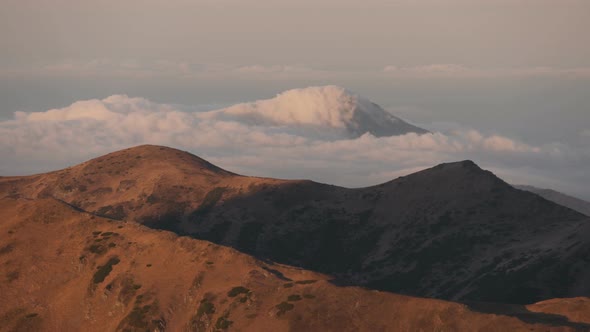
[(461, 176), (150, 154), (326, 107), (463, 163), (462, 166), (459, 167)]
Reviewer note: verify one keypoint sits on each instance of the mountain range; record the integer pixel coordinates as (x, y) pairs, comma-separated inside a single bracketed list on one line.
[(156, 238)]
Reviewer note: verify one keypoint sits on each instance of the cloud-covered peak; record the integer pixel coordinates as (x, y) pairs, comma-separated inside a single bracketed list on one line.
[(329, 108)]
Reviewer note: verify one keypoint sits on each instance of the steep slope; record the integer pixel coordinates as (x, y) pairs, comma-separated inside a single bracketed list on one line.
[(453, 232), (573, 203), (67, 270)]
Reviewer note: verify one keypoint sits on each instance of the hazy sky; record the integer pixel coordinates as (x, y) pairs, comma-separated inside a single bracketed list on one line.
[(341, 33), (515, 68)]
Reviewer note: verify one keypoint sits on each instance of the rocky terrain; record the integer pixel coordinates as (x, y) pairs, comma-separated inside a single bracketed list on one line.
[(83, 248)]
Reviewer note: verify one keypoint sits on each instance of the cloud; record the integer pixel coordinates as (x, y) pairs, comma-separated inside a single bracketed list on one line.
[(134, 69), (428, 69), (461, 71), (278, 145), (260, 69), (328, 106), (162, 68), (326, 111)]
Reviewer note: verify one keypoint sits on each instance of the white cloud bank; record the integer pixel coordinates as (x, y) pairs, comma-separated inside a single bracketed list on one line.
[(298, 134)]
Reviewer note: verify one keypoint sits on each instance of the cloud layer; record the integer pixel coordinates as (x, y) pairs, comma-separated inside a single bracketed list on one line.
[(182, 69), (299, 134)]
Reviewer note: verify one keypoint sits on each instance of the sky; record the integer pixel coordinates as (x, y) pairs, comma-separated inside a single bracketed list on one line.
[(469, 71)]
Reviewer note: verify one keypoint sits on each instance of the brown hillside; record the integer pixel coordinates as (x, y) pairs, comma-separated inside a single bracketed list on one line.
[(453, 232), (149, 184), (66, 270)]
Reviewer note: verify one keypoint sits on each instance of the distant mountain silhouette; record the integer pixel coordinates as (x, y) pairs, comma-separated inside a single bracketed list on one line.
[(571, 202), (452, 232)]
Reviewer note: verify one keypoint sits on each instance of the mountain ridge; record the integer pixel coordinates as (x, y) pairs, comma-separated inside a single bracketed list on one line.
[(453, 231), (70, 271)]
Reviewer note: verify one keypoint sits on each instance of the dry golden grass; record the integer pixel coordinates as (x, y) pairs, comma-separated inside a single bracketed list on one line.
[(162, 281)]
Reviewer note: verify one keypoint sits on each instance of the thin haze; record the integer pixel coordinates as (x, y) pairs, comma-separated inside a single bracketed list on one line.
[(518, 69), (337, 33)]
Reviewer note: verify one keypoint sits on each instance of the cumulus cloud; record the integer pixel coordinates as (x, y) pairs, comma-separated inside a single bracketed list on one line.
[(327, 110), (264, 138), (328, 106)]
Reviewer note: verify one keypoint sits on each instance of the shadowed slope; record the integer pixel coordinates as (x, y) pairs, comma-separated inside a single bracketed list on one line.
[(65, 270), (573, 203), (453, 231)]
